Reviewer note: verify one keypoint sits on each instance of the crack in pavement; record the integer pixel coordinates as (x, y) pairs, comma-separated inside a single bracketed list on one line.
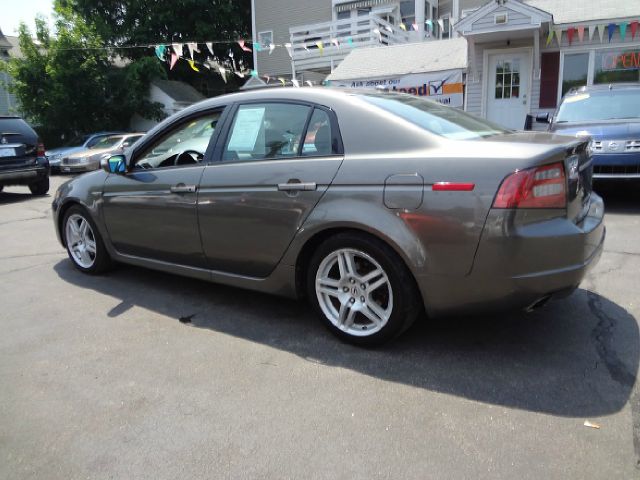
[(602, 335), (24, 220), (27, 267), (31, 255)]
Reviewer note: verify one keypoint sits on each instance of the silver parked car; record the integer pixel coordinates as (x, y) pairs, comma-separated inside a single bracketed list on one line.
[(374, 206), (89, 159)]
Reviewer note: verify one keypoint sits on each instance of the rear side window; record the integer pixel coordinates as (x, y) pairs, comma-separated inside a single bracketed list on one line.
[(266, 131), (12, 128), (318, 139), (447, 122)]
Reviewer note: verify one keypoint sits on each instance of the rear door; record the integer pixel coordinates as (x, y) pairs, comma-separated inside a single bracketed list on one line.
[(18, 144), (275, 163)]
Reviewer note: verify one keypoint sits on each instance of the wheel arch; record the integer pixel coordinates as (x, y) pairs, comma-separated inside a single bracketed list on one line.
[(317, 238)]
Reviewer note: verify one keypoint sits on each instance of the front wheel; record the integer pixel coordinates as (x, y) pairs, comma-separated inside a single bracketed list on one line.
[(84, 244), (361, 289)]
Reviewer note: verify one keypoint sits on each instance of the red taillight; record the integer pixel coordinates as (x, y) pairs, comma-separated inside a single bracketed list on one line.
[(540, 187), (41, 150)]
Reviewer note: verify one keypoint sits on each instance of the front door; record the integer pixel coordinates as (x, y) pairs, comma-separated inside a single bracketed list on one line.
[(151, 210), (276, 163), (508, 89)]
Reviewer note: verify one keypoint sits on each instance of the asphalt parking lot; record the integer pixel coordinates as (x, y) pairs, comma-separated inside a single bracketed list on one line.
[(99, 378)]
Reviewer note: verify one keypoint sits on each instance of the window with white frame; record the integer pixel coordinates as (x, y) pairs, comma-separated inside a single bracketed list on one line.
[(445, 31), (265, 38)]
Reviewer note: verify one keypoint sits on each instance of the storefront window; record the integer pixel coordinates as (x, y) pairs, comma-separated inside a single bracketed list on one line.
[(617, 65), (575, 71)]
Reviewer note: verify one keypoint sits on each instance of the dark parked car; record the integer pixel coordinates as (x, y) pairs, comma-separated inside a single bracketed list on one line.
[(22, 158), (610, 115), (374, 206)]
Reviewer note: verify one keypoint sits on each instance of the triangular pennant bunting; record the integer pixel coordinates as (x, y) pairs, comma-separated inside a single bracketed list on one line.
[(601, 32), (611, 28), (160, 51), (174, 59), (623, 29), (177, 47), (581, 33)]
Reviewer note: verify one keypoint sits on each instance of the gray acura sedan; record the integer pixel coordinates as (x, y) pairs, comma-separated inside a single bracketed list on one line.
[(374, 206)]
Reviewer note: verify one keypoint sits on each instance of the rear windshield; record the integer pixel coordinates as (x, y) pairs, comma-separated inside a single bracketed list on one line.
[(16, 126), (600, 106), (77, 141), (445, 121), (106, 142)]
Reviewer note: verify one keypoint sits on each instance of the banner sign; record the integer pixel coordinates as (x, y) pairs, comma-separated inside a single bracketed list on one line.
[(445, 87)]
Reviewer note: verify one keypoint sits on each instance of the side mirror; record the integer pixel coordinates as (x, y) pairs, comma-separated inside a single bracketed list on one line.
[(543, 118), (115, 164)]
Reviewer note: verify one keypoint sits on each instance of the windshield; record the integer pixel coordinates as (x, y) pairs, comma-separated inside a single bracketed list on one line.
[(599, 106), (445, 121), (77, 141), (106, 143)]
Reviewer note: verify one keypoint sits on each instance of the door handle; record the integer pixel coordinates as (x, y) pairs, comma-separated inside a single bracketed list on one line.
[(182, 188), (297, 186)]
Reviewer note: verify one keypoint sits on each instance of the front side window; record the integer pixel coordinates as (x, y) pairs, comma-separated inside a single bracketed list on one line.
[(575, 71), (266, 131), (185, 145), (445, 121), (616, 104)]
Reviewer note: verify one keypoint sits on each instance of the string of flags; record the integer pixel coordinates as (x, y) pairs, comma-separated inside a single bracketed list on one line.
[(590, 30)]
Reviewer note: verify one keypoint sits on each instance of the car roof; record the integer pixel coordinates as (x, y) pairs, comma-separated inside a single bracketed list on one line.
[(603, 87)]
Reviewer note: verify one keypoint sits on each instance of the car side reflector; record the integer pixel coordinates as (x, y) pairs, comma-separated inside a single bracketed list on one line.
[(539, 187), (453, 187)]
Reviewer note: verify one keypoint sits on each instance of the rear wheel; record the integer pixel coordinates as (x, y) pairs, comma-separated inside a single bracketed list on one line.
[(41, 187), (84, 244), (361, 289)]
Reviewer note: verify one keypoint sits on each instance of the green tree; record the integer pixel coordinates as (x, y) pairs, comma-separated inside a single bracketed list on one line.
[(127, 23), (134, 22), (68, 83)]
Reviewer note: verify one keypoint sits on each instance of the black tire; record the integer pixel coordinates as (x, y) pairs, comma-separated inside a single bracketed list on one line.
[(41, 187), (102, 261), (406, 300), (1, 188)]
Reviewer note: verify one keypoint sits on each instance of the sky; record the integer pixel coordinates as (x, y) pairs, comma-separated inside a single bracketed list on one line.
[(15, 11)]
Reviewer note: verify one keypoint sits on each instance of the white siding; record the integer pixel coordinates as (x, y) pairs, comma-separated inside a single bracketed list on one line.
[(474, 85), (513, 18), (278, 16)]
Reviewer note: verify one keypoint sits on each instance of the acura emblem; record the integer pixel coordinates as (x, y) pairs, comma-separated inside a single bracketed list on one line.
[(613, 146), (4, 141)]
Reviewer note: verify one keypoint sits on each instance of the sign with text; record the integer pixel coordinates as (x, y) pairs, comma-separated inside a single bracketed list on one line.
[(445, 87), (616, 60)]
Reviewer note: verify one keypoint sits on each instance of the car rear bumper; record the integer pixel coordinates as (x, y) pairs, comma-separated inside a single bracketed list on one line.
[(522, 259), (23, 176)]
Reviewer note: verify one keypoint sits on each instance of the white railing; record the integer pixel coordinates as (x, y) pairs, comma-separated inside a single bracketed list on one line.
[(337, 38)]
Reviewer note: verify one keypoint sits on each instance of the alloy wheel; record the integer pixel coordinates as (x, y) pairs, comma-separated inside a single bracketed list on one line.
[(354, 292), (81, 240)]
